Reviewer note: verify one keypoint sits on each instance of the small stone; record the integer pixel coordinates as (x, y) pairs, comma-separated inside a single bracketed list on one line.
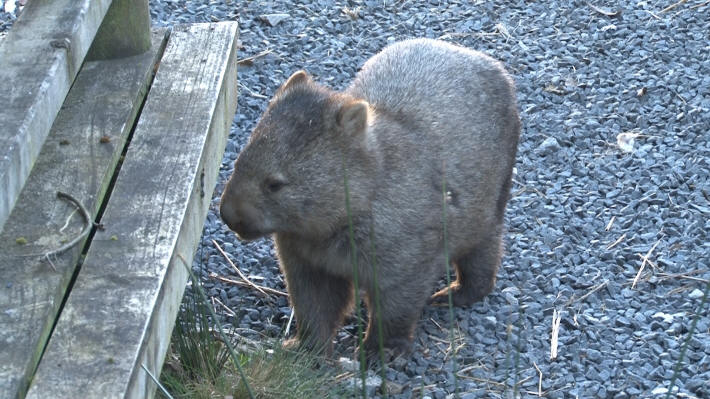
[(594, 355), (695, 294), (604, 375), (349, 364), (667, 318), (548, 146), (695, 384), (399, 362), (393, 388), (626, 141), (640, 318), (662, 390), (622, 321), (372, 383), (274, 19), (490, 322)]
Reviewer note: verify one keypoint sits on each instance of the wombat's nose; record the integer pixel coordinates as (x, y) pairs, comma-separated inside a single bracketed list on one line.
[(229, 217)]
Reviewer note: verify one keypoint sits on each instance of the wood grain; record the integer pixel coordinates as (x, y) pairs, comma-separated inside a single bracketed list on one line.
[(103, 103), (124, 32), (39, 60), (122, 308)]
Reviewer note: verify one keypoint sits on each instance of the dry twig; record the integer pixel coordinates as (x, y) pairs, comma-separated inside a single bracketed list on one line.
[(583, 297), (615, 243), (643, 263), (672, 6), (700, 5), (236, 269), (438, 325), (649, 261), (525, 187), (243, 284), (605, 12), (539, 381), (250, 60), (288, 325), (252, 92), (226, 308), (686, 275), (87, 228), (84, 233), (556, 319)]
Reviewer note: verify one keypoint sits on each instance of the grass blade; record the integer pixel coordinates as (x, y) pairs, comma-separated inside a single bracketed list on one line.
[(155, 380), (225, 339), (378, 312), (356, 283), (676, 370), (448, 279)]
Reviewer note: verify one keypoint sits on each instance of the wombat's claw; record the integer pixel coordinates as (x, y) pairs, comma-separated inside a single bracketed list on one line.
[(294, 346), (291, 344), (459, 296)]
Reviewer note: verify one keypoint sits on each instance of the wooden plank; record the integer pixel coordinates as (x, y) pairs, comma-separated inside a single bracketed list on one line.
[(122, 307), (39, 60), (104, 101), (124, 32)]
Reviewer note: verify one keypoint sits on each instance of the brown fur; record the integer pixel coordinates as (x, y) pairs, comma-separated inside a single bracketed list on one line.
[(419, 114)]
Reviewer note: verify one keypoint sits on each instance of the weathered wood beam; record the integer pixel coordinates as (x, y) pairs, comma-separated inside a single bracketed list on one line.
[(39, 60), (79, 158), (122, 308), (124, 32)]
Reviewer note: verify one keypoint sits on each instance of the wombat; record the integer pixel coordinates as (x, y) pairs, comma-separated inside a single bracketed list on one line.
[(425, 128)]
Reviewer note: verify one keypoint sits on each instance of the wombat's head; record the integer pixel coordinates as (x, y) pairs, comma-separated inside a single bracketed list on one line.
[(290, 176)]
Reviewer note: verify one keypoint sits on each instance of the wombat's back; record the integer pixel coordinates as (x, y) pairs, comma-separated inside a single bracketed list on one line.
[(431, 81), (443, 112)]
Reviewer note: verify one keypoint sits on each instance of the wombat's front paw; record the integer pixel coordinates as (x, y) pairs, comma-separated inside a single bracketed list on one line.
[(297, 344), (392, 349), (291, 344), (460, 296)]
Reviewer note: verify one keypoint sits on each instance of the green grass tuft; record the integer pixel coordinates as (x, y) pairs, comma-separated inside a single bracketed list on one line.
[(198, 366)]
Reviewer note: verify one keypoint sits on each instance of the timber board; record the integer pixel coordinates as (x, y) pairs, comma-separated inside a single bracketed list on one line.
[(103, 102), (39, 60), (122, 308)]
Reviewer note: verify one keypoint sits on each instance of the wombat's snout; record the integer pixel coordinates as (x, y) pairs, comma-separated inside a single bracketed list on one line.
[(229, 217), (238, 220)]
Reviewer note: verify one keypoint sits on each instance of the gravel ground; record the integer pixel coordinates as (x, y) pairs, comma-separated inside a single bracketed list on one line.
[(586, 207)]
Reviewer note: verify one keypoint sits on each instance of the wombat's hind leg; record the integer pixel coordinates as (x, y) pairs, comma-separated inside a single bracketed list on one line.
[(475, 274), (320, 302)]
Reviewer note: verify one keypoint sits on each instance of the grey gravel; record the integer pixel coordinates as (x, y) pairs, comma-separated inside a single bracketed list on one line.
[(550, 145), (583, 212), (274, 19)]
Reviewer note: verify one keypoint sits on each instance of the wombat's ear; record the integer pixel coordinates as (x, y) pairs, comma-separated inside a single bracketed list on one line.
[(352, 117), (297, 78)]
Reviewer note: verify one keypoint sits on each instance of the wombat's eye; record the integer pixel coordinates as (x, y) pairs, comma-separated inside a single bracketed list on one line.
[(273, 184)]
